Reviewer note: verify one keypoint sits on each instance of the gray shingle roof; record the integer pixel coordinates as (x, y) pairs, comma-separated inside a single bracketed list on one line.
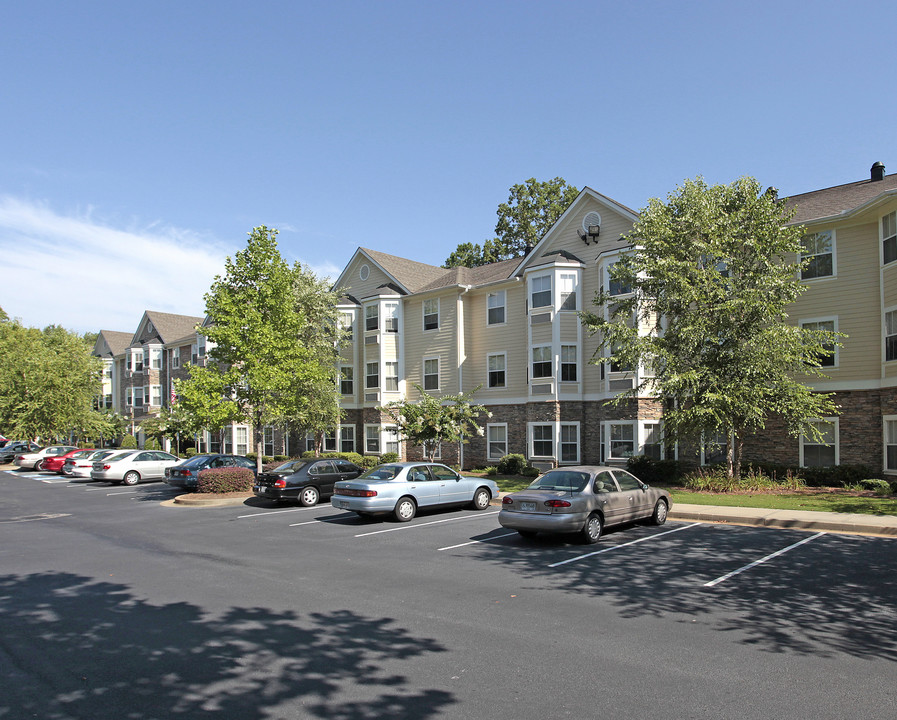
[(834, 201), (170, 327), (117, 342), (473, 276), (410, 273)]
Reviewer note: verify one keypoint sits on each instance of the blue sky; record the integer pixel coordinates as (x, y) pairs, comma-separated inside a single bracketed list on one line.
[(141, 142)]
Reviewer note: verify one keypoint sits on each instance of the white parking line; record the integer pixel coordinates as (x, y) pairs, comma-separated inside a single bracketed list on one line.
[(616, 547), (762, 560), (474, 542), (54, 482), (277, 512), (434, 522), (123, 492)]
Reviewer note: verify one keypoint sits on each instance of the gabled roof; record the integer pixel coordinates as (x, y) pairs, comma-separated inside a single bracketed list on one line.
[(481, 275), (840, 200), (111, 343), (168, 327), (409, 275)]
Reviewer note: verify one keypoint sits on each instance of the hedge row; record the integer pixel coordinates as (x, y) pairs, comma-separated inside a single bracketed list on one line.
[(225, 480)]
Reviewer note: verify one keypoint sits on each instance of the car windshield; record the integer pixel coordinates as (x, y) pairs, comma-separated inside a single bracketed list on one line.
[(383, 472), (120, 456), (569, 480)]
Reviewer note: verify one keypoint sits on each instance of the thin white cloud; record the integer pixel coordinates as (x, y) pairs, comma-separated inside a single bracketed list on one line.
[(85, 275)]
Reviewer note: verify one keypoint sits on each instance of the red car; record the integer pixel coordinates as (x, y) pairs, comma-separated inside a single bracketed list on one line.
[(54, 464)]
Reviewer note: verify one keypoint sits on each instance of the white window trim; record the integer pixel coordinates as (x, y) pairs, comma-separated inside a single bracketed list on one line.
[(503, 354), (387, 316), (884, 442), (489, 454), (424, 374), (350, 428), (341, 379), (884, 331), (437, 455), (531, 440), (881, 242), (532, 291), (608, 424), (379, 441), (572, 423), (561, 363), (532, 362), (704, 450), (835, 422), (575, 292), (155, 390), (423, 313), (643, 436), (830, 318), (387, 376), (504, 306), (375, 306), (367, 375), (834, 274)]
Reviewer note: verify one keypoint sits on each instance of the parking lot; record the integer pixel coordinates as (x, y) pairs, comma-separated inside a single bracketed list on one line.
[(315, 611)]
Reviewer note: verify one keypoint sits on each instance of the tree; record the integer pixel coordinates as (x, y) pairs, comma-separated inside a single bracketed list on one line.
[(532, 208), (271, 345), (431, 420), (48, 382), (705, 291)]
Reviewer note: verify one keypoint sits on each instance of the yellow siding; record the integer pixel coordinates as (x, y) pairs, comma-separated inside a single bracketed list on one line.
[(483, 340), (441, 343), (360, 289)]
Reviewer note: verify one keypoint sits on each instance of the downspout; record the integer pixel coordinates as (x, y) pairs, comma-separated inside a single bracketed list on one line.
[(461, 357)]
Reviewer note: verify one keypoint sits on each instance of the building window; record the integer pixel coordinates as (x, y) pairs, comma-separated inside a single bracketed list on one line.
[(616, 287), (543, 440), (107, 401), (330, 441), (371, 317), (431, 314), (568, 291), (156, 395), (497, 441), (431, 374), (176, 358), (129, 397), (542, 362), (822, 452), (568, 363), (496, 366), (372, 439), (310, 443), (372, 377), (391, 317), (889, 237), (570, 443), (891, 335), (714, 446), (347, 380), (391, 440), (391, 376), (155, 358), (136, 361), (436, 448), (268, 440), (241, 440), (829, 359), (818, 250), (347, 438), (540, 291), (622, 440), (347, 322), (652, 447), (495, 308)]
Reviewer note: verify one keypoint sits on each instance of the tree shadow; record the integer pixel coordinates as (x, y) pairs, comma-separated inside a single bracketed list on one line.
[(73, 647), (834, 595)]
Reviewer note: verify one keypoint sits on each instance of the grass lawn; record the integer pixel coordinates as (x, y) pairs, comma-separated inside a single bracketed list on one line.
[(822, 499)]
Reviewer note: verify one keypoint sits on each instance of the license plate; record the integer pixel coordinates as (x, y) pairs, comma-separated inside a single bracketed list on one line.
[(343, 503), (528, 506)]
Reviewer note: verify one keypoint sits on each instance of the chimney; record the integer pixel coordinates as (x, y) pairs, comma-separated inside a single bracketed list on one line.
[(878, 172)]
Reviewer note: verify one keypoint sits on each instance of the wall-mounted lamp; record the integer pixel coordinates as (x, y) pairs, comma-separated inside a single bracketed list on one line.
[(591, 235)]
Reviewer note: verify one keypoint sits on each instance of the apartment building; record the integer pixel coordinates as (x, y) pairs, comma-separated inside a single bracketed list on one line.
[(511, 330)]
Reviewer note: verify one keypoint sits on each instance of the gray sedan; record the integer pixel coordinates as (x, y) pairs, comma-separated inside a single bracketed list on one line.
[(402, 488), (584, 500), (132, 466)]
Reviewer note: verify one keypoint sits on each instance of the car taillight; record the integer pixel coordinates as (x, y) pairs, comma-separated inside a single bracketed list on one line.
[(557, 503), (106, 467), (355, 493), (507, 500), (281, 483)]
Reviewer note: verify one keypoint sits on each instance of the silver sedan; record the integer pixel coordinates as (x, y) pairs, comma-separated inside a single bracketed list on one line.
[(402, 488), (133, 466), (583, 500)]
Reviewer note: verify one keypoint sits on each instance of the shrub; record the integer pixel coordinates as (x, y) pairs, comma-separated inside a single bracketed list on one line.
[(308, 454), (129, 442), (224, 480), (389, 457), (836, 476), (655, 471), (512, 464), (370, 461), (152, 444), (530, 471), (492, 470), (190, 452), (716, 479)]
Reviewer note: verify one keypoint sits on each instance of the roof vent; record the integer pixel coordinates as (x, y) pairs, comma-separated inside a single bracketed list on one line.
[(878, 172)]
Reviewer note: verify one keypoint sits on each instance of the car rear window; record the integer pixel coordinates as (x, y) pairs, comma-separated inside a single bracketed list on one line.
[(570, 480), (384, 472)]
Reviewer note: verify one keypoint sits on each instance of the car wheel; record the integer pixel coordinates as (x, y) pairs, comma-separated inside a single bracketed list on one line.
[(659, 517), (309, 496), (405, 509), (591, 531), (527, 533), (39, 465), (481, 499), (131, 478)]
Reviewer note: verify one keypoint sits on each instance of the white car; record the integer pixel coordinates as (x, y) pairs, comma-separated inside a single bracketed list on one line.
[(81, 467), (133, 466), (34, 461)]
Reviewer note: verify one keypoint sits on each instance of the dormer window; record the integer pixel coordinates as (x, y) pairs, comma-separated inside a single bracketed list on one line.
[(391, 317), (431, 314)]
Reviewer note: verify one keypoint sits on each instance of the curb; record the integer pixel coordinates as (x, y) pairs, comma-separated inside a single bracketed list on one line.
[(881, 526)]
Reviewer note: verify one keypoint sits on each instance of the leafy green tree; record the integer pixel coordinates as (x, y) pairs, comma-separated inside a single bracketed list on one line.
[(703, 310), (532, 208), (431, 420), (48, 381), (264, 344)]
